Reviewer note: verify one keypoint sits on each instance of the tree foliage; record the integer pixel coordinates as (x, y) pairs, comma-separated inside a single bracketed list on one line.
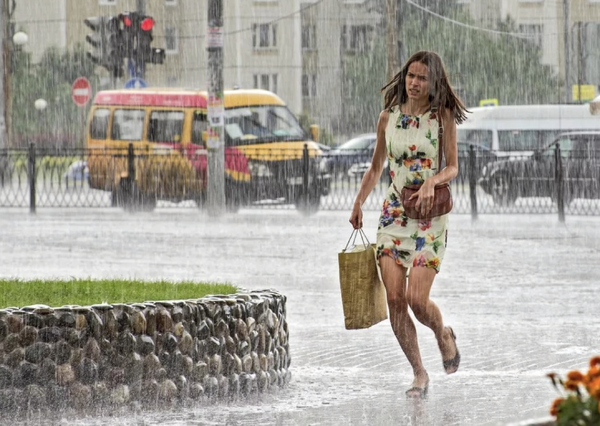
[(61, 124), (480, 64)]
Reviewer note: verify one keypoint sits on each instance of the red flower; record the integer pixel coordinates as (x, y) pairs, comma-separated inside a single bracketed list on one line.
[(412, 147), (396, 241)]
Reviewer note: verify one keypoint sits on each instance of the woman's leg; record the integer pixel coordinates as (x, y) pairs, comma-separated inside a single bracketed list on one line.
[(426, 311), (394, 279)]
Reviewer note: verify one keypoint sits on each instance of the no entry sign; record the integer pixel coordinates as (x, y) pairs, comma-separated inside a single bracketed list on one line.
[(81, 92)]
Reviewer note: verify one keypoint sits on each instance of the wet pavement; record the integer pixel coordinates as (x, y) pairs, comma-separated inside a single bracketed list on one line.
[(520, 292)]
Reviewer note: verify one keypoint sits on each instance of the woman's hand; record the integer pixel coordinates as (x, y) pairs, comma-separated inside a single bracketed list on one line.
[(425, 196), (356, 216)]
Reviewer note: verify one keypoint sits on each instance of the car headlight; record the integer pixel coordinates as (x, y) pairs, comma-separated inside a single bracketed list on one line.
[(259, 169)]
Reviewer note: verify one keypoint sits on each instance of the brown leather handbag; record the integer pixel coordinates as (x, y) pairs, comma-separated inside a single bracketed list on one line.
[(442, 199)]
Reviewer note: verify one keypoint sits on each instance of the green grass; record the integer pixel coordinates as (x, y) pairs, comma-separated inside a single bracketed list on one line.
[(55, 293)]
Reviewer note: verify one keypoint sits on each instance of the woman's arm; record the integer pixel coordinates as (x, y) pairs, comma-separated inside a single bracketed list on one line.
[(373, 173), (450, 150)]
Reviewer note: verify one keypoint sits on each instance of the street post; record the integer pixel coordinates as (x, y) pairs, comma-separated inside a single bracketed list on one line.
[(216, 111)]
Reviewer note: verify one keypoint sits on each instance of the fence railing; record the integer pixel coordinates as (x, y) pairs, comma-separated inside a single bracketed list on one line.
[(557, 182)]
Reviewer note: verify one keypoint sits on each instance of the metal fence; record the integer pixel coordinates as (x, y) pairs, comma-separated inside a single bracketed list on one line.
[(563, 183)]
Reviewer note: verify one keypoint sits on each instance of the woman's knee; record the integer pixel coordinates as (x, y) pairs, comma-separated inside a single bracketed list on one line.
[(397, 301), (418, 306)]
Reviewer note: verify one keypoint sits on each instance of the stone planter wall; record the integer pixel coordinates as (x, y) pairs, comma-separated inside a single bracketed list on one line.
[(152, 352)]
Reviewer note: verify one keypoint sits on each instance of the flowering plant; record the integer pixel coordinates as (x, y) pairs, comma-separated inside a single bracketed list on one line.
[(580, 400)]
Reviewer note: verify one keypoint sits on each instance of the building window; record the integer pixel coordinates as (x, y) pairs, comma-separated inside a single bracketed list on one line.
[(309, 37), (356, 37), (535, 33), (264, 36), (266, 82), (309, 85)]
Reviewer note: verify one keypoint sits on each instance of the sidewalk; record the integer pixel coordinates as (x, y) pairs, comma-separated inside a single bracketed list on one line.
[(518, 290)]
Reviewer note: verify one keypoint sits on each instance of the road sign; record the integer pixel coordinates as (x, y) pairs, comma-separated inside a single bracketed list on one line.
[(584, 92), (81, 91), (136, 83), (488, 102)]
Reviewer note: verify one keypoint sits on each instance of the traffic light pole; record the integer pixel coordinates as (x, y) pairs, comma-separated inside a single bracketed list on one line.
[(139, 69), (216, 111)]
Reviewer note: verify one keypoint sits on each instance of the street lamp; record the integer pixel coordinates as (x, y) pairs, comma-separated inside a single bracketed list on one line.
[(40, 104), (20, 38)]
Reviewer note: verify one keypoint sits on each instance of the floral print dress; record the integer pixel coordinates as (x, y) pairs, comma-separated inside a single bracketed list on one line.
[(412, 150)]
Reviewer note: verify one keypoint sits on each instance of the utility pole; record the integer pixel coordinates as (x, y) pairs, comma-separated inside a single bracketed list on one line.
[(391, 38), (579, 58), (566, 30), (399, 15), (140, 6), (5, 69), (139, 69), (216, 110)]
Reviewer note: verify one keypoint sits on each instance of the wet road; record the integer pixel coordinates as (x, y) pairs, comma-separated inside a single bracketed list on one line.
[(519, 291)]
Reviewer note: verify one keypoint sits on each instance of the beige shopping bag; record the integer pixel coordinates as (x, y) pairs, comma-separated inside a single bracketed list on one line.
[(363, 294)]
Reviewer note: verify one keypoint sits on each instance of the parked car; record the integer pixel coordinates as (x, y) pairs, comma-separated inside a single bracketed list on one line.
[(77, 172), (355, 151), (535, 175)]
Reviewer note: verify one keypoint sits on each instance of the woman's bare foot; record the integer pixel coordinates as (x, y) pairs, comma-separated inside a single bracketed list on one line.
[(420, 386)]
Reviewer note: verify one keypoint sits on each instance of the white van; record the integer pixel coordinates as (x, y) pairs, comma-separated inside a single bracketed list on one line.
[(516, 130)]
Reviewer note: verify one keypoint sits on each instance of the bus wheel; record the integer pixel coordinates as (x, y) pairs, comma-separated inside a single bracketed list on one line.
[(131, 198), (200, 200), (502, 192), (116, 199), (308, 204), (235, 195)]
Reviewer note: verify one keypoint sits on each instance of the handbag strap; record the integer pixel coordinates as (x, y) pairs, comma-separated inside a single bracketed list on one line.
[(356, 233), (440, 137)]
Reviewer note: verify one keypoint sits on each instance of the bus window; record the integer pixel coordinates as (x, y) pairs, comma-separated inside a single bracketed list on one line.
[(127, 125), (99, 124), (476, 137), (199, 125), (165, 126)]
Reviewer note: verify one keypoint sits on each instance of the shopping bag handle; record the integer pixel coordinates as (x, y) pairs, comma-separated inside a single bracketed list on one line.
[(356, 233)]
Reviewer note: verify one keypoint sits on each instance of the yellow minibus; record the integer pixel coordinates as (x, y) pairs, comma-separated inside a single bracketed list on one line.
[(150, 144)]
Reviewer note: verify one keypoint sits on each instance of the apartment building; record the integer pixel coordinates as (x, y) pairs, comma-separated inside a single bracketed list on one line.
[(548, 26), (331, 32)]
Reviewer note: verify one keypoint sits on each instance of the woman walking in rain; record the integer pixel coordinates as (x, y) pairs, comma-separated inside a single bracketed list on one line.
[(418, 103)]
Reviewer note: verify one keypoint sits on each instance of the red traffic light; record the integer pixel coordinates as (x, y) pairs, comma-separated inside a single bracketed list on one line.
[(147, 24)]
